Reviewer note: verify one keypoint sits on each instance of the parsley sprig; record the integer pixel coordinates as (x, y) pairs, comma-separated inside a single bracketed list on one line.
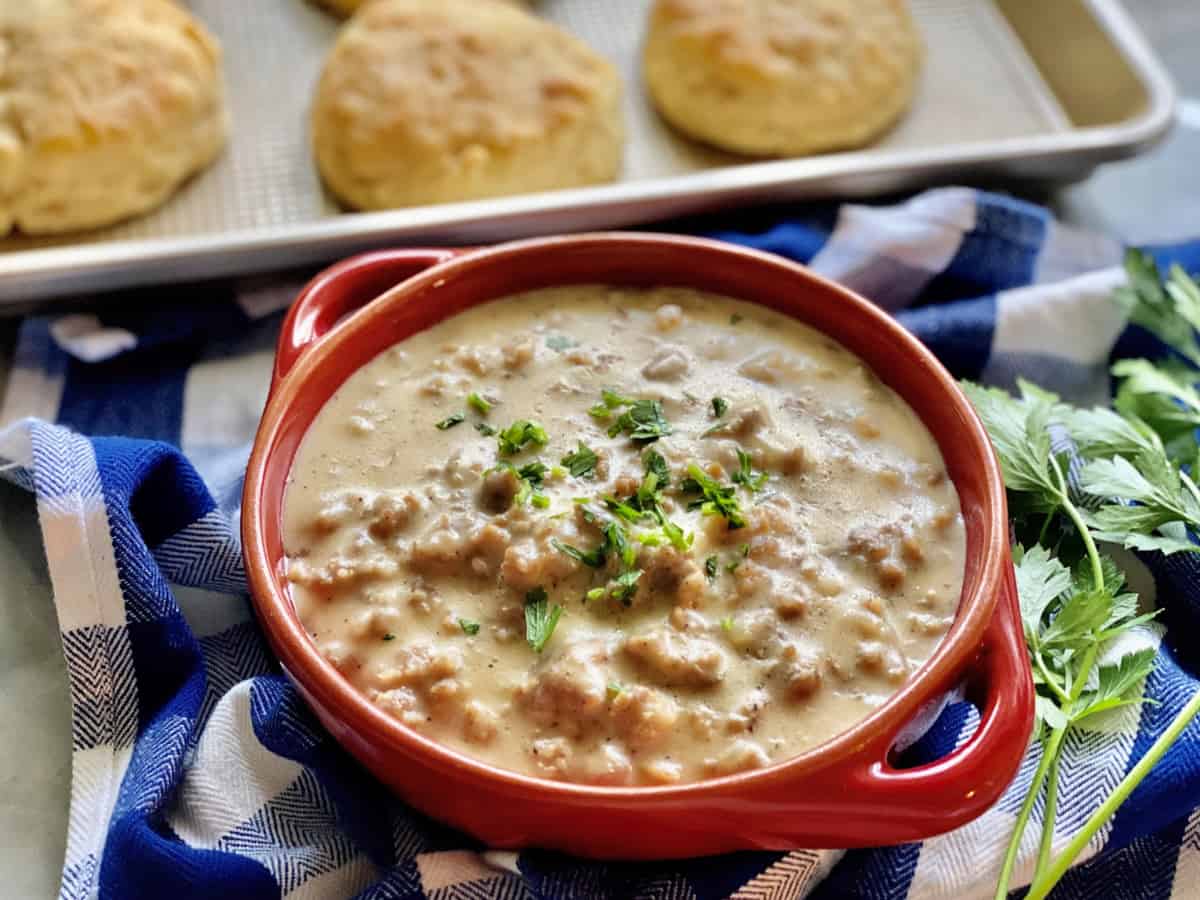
[(540, 618), (1074, 604)]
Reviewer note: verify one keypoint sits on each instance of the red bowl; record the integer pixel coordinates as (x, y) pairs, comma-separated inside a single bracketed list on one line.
[(843, 793)]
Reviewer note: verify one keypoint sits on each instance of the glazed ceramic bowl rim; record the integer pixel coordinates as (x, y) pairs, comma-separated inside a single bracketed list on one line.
[(304, 664)]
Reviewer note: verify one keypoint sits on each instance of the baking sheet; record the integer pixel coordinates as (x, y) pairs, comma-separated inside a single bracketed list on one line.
[(983, 106)]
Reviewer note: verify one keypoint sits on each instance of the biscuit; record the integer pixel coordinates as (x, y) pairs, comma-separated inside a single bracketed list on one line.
[(106, 107), (346, 8), (433, 101), (782, 77)]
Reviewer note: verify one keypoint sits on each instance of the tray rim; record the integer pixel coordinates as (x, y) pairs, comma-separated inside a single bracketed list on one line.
[(31, 276)]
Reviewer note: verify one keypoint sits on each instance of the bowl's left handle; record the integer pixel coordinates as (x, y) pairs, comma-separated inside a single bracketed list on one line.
[(340, 290)]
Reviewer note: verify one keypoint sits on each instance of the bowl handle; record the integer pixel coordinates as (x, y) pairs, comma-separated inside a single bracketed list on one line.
[(340, 290), (963, 784)]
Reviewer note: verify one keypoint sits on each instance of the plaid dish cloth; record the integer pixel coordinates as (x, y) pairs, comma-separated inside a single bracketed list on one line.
[(198, 771)]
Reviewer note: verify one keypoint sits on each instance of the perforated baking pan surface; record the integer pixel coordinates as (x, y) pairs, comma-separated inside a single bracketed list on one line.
[(1010, 89)]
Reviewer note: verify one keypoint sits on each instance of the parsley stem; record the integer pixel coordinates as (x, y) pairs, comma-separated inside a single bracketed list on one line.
[(1045, 882), (1014, 843), (1077, 519), (1051, 682), (1051, 806), (1190, 485)]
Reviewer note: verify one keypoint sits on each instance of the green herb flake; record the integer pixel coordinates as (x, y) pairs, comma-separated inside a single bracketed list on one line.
[(560, 342), (581, 462), (727, 623), (450, 421), (745, 475), (594, 594), (644, 420), (541, 501), (534, 473), (479, 403), (719, 407), (614, 689), (389, 637), (624, 586), (656, 464), (716, 498), (469, 628), (540, 618), (594, 558), (485, 429), (711, 567), (521, 433)]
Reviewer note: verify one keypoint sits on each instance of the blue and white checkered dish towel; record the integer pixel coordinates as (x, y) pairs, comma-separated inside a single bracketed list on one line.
[(198, 772)]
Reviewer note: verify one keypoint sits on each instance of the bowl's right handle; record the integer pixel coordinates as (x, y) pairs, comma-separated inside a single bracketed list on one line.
[(960, 786), (343, 288)]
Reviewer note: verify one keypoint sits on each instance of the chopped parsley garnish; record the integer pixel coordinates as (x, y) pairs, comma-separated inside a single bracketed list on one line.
[(534, 473), (732, 566), (656, 465), (478, 403), (609, 401), (517, 435), (719, 407), (624, 586), (617, 540), (594, 594), (614, 689), (468, 627), (711, 567), (621, 508), (744, 550), (727, 623), (541, 501), (715, 499), (485, 429), (644, 420), (389, 637), (581, 462), (450, 421), (560, 342), (745, 475), (594, 558), (649, 539), (540, 618)]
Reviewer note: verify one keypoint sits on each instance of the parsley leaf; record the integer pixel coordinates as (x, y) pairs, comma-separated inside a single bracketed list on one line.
[(517, 435), (656, 465), (450, 421), (745, 475), (716, 498), (468, 627), (1041, 579), (594, 558), (1020, 432), (540, 618), (485, 429), (711, 566), (719, 407), (624, 586), (560, 342), (478, 403), (533, 472), (644, 420), (582, 462), (1170, 309)]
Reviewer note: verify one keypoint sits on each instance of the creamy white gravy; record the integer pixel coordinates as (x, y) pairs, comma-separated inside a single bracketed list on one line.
[(415, 562)]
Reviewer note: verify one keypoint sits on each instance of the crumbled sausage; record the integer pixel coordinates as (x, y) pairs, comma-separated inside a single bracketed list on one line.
[(609, 765), (799, 670), (552, 756), (668, 364), (739, 756), (643, 716), (569, 692), (480, 724), (518, 354), (420, 665), (499, 488), (668, 317), (677, 659), (661, 771)]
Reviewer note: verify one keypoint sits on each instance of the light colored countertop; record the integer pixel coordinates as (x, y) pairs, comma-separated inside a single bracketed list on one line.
[(1153, 199)]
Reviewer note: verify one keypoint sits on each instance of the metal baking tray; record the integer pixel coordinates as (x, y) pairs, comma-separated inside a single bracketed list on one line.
[(1011, 89)]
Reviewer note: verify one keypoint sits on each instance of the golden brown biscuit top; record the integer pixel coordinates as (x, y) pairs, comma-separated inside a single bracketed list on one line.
[(75, 73), (454, 73), (781, 38)]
